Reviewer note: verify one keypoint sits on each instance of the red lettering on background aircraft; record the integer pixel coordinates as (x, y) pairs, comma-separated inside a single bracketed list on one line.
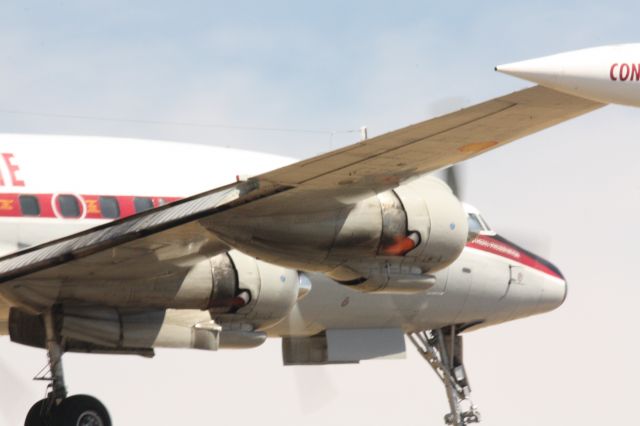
[(612, 72), (635, 72), (11, 169), (624, 72)]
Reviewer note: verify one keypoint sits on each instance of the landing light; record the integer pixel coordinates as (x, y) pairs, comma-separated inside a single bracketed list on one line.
[(304, 285)]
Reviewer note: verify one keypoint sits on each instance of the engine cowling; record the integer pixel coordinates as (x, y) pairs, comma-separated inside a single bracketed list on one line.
[(389, 239), (273, 289)]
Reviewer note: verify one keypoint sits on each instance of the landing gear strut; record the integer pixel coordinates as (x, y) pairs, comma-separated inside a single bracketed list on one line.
[(442, 348), (57, 409)]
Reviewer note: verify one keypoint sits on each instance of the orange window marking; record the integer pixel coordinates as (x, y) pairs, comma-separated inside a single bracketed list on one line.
[(6, 204), (92, 206)]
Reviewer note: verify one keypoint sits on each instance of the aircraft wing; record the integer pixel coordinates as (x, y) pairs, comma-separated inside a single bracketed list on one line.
[(174, 236)]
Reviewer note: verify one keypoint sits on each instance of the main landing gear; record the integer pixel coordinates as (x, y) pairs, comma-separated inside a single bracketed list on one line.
[(57, 409), (442, 348)]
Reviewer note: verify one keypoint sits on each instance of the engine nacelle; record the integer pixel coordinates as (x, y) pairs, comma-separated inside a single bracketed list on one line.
[(225, 301), (227, 283), (417, 228)]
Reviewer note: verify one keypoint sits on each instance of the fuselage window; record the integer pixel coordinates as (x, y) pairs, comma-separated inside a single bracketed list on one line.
[(474, 224), (109, 207), (29, 205), (142, 203), (69, 206)]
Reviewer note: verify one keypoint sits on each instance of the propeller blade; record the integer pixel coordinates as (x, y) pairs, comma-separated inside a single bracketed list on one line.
[(444, 106), (315, 387), (454, 179)]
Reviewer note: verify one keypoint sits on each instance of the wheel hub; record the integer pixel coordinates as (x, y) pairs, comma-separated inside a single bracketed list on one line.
[(89, 418)]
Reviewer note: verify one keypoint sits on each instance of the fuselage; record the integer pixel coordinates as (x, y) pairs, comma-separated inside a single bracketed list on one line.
[(607, 74), (53, 186)]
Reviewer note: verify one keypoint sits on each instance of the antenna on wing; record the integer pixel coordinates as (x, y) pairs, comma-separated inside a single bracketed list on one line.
[(363, 133), (453, 174)]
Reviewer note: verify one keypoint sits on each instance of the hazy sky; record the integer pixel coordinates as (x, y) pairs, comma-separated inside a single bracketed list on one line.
[(573, 190)]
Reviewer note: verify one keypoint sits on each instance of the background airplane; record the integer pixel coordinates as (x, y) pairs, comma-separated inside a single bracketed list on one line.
[(612, 187), (605, 74)]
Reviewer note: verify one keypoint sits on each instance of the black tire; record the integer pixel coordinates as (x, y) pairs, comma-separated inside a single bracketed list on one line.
[(37, 415), (81, 410)]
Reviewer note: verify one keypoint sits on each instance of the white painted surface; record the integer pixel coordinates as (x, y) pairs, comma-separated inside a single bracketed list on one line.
[(609, 74)]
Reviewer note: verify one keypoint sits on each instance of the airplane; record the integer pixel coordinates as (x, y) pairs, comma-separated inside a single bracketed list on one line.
[(609, 74), (340, 256)]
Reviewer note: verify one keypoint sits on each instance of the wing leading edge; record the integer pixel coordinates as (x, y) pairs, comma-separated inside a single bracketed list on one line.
[(172, 234)]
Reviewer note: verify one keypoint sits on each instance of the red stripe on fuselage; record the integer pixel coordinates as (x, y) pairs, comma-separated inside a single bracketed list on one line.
[(10, 205), (489, 244)]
